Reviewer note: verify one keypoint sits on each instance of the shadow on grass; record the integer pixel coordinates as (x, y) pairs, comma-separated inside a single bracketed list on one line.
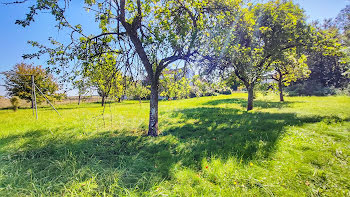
[(115, 160), (257, 103)]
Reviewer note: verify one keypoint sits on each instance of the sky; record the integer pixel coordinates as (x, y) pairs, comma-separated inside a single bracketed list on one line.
[(13, 38)]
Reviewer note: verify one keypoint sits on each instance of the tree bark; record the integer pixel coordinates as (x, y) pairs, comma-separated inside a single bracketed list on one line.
[(153, 115), (103, 100), (79, 99), (250, 89), (280, 87)]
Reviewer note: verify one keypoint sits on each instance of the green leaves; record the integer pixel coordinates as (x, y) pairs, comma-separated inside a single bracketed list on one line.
[(290, 67), (90, 2), (257, 36), (18, 82), (174, 84), (104, 74)]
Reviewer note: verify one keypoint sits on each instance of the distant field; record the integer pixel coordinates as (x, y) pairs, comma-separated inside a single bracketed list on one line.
[(5, 102), (209, 146)]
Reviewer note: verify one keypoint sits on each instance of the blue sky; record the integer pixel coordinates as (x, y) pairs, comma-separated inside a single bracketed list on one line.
[(13, 38)]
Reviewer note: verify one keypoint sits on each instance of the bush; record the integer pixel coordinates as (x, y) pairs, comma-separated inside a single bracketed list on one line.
[(345, 91), (310, 88), (15, 102), (224, 90), (264, 88)]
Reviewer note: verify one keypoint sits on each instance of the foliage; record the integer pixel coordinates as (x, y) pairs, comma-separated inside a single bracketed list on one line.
[(202, 87), (250, 42), (209, 146), (18, 82), (290, 68), (155, 33), (232, 82), (15, 102), (104, 74), (222, 87), (174, 84), (345, 91), (328, 63), (83, 85), (309, 88), (138, 90), (342, 21), (199, 87)]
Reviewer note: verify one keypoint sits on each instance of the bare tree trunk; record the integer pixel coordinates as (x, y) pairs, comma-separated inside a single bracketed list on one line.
[(153, 115), (79, 99), (103, 99), (250, 89), (280, 84), (280, 87)]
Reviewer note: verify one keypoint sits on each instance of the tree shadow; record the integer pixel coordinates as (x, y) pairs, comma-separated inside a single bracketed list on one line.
[(56, 162), (138, 161), (221, 132), (257, 103)]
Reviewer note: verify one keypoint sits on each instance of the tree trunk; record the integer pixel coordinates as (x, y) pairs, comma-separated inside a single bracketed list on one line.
[(79, 99), (280, 87), (32, 103), (153, 115), (103, 100), (250, 89)]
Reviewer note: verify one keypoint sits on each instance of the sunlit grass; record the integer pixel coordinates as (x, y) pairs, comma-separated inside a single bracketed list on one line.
[(209, 146)]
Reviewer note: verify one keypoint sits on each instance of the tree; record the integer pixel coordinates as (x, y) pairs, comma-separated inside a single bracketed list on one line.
[(201, 87), (250, 42), (232, 82), (104, 73), (184, 88), (83, 86), (138, 90), (18, 82), (343, 23), (289, 69), (160, 32), (15, 102), (174, 84), (327, 61)]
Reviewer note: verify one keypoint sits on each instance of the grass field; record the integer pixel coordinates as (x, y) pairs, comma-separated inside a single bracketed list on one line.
[(209, 146)]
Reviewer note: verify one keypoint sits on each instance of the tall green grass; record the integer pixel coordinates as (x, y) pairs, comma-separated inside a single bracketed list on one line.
[(208, 146)]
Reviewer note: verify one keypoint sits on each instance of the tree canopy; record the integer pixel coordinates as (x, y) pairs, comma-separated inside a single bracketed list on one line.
[(156, 33), (246, 41), (289, 68), (250, 42), (104, 73), (18, 82)]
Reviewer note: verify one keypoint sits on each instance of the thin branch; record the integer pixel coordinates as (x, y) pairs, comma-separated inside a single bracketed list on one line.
[(15, 2)]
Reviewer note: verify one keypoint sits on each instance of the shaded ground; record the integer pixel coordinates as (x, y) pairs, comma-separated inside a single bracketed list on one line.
[(257, 103), (144, 161), (118, 162)]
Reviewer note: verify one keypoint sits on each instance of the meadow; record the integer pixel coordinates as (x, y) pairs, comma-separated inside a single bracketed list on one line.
[(209, 146)]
